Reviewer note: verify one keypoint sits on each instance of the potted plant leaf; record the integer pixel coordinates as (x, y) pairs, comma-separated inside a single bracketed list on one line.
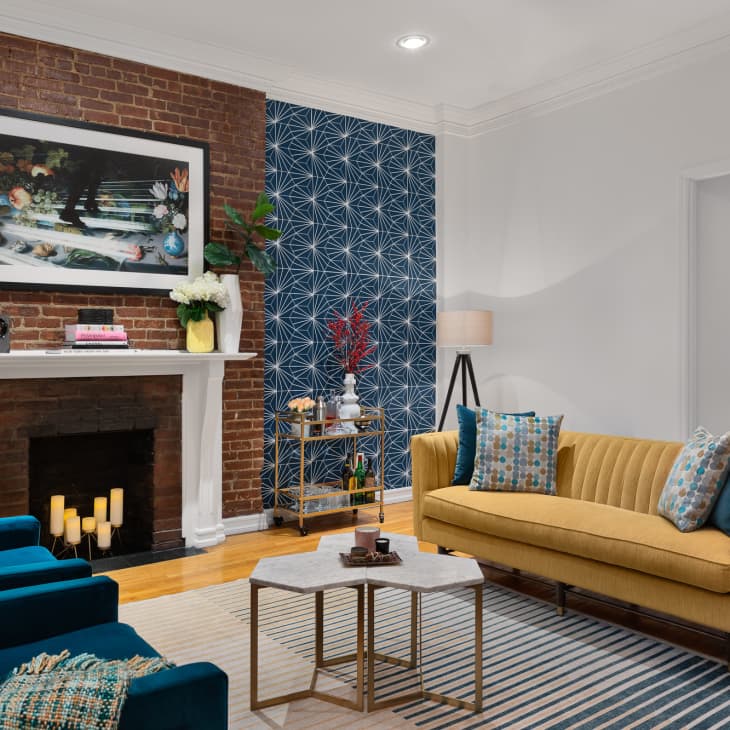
[(252, 233)]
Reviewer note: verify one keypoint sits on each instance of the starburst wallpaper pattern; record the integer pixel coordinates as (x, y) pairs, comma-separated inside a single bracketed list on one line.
[(356, 203)]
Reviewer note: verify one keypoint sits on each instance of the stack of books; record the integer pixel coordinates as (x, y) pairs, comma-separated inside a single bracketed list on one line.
[(96, 336)]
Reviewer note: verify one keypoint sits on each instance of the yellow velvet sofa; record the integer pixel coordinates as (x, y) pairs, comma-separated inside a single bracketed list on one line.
[(601, 532)]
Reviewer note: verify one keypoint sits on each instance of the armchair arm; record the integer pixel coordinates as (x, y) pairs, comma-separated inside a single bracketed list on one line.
[(29, 574), (37, 612), (183, 698), (21, 531), (433, 457)]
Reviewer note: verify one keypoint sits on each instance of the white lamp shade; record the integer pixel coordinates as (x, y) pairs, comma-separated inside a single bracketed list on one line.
[(464, 328)]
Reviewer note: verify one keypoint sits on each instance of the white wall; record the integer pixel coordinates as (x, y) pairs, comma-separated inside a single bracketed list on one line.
[(570, 233), (713, 271)]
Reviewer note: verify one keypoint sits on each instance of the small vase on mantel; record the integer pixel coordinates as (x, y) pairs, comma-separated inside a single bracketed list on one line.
[(228, 321), (349, 407), (200, 335)]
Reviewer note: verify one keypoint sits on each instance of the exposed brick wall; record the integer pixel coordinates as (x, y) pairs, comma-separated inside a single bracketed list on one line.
[(73, 84)]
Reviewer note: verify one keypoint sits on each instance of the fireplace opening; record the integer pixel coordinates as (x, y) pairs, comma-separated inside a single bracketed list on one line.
[(88, 465)]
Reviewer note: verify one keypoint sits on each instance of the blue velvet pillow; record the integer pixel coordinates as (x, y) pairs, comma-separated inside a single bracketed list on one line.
[(467, 451), (720, 516)]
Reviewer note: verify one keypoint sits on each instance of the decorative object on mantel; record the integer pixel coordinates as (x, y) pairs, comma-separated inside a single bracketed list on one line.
[(195, 299), (252, 232), (95, 329), (350, 335)]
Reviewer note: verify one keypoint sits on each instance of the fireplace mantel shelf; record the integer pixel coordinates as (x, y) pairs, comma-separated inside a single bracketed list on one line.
[(202, 415), (61, 363)]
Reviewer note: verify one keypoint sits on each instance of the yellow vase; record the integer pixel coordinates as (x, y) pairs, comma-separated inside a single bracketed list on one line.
[(200, 335)]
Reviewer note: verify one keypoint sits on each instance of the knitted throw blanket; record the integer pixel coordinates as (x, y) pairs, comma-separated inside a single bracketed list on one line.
[(61, 692)]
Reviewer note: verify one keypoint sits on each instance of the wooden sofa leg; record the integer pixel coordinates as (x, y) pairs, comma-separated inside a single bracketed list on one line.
[(560, 598), (444, 551)]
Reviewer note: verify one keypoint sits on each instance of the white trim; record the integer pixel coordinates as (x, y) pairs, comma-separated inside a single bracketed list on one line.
[(689, 178), (54, 24), (246, 523), (402, 494)]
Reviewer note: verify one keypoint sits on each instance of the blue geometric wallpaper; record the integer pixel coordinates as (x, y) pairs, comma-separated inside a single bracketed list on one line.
[(356, 203)]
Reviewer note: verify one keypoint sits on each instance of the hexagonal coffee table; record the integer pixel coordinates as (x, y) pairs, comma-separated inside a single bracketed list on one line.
[(323, 570)]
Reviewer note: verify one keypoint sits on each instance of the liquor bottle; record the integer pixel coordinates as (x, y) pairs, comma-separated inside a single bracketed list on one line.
[(360, 480), (346, 477), (370, 481)]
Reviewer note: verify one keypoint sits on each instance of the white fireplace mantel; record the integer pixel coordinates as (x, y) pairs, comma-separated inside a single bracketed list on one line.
[(202, 415)]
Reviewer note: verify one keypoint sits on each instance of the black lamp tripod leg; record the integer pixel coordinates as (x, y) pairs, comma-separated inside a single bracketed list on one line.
[(450, 391), (467, 360)]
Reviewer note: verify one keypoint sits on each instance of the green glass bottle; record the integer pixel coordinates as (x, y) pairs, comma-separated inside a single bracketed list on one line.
[(360, 480)]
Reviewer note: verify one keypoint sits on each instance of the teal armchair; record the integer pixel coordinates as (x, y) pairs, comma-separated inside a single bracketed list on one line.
[(23, 562), (81, 616)]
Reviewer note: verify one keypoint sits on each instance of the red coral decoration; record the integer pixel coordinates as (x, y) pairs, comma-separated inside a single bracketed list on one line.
[(350, 334)]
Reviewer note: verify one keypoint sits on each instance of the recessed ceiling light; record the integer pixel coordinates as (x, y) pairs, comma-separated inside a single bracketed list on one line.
[(412, 42)]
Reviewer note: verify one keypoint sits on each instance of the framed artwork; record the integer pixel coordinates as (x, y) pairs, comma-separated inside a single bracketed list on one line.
[(89, 207)]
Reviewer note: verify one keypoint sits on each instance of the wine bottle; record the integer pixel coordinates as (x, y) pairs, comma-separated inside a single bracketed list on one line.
[(360, 480), (370, 481)]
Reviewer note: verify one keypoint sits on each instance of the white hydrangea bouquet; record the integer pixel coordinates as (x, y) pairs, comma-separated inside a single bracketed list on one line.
[(197, 298)]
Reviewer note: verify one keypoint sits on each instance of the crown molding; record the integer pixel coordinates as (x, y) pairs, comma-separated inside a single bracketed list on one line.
[(47, 22)]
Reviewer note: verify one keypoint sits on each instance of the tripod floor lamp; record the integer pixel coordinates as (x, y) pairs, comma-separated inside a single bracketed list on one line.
[(463, 329)]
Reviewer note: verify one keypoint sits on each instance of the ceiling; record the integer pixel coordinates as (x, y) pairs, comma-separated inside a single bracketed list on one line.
[(486, 57)]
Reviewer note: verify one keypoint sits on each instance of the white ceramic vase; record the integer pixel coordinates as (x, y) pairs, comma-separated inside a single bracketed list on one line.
[(228, 322), (349, 407)]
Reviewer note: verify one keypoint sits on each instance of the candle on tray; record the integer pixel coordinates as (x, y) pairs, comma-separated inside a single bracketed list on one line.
[(100, 509), (73, 530), (57, 503), (104, 535), (366, 536), (88, 524), (116, 506)]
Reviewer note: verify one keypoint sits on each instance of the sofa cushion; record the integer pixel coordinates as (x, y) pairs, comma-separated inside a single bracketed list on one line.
[(695, 480), (466, 452), (600, 532), (107, 641), (25, 555), (720, 515), (516, 454)]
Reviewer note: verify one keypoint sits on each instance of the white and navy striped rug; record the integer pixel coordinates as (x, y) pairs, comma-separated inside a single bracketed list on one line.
[(540, 670)]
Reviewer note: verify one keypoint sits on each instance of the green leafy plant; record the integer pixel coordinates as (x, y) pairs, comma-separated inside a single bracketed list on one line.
[(252, 232)]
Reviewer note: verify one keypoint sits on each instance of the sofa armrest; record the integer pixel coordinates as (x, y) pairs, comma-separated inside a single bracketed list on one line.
[(190, 697), (21, 531), (37, 612), (433, 457), (29, 574)]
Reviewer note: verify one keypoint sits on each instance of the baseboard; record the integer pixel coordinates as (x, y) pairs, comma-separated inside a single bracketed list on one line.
[(246, 523), (402, 494)]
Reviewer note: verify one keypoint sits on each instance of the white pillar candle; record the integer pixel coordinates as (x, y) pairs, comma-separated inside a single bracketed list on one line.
[(104, 535), (57, 502), (100, 509), (73, 530), (88, 524), (69, 512), (116, 506)]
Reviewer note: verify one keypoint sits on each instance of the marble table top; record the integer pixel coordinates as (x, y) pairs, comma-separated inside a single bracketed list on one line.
[(323, 569)]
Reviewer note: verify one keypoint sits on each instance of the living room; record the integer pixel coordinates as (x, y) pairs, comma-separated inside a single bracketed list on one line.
[(561, 167)]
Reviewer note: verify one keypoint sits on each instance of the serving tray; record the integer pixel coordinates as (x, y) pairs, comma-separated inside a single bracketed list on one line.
[(371, 560)]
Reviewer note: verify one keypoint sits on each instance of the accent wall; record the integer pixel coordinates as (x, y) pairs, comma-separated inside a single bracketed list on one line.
[(356, 203)]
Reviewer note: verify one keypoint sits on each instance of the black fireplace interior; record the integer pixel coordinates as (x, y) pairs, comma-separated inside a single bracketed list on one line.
[(88, 465)]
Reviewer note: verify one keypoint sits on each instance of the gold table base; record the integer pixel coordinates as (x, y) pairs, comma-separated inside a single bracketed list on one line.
[(362, 653)]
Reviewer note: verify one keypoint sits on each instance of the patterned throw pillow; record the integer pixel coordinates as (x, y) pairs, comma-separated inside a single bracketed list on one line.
[(516, 454), (467, 449), (695, 481)]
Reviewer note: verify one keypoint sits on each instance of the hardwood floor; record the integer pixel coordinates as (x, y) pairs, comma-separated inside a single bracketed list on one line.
[(238, 555)]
